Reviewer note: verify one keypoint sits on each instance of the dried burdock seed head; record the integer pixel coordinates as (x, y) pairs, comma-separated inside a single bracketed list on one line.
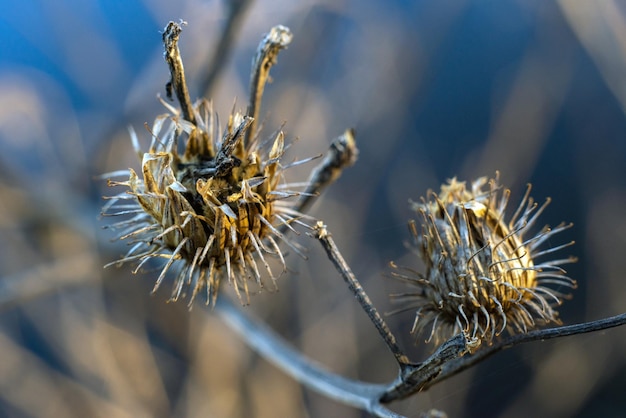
[(484, 273), (211, 205)]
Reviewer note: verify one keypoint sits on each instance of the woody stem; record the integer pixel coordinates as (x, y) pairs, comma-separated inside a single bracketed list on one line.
[(322, 234)]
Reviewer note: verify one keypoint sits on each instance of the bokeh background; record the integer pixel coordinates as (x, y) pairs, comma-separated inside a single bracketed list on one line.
[(435, 89)]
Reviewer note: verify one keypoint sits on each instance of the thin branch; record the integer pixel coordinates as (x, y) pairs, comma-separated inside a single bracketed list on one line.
[(456, 366), (261, 338), (341, 154), (266, 56), (415, 377), (177, 82), (322, 234), (236, 10)]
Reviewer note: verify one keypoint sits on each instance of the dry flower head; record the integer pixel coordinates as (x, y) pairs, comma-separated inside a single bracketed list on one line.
[(211, 204), (483, 274)]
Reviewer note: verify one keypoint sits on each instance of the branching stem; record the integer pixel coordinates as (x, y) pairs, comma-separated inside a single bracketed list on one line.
[(458, 365), (272, 347), (355, 287), (415, 376)]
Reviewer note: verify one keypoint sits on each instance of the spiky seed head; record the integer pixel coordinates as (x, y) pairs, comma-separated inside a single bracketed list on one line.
[(484, 273), (210, 204), (214, 206)]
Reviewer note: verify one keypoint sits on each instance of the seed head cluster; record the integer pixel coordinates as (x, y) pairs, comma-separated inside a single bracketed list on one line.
[(211, 204), (483, 273)]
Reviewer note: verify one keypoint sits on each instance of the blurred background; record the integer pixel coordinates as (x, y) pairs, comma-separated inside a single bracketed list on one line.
[(533, 88)]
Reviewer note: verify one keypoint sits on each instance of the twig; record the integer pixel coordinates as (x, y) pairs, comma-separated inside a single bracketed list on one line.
[(341, 154), (355, 287), (236, 10), (266, 55), (269, 345), (458, 365), (415, 377), (177, 81)]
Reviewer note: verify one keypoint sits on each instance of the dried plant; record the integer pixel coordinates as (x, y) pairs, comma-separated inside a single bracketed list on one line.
[(219, 204), (217, 212), (484, 273)]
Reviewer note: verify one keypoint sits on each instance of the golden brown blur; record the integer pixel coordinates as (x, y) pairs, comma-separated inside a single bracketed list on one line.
[(531, 88)]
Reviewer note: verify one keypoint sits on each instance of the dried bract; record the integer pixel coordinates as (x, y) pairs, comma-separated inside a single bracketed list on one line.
[(483, 274)]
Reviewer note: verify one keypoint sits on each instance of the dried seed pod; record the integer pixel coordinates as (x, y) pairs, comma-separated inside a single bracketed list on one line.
[(217, 207), (213, 206), (483, 274)]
